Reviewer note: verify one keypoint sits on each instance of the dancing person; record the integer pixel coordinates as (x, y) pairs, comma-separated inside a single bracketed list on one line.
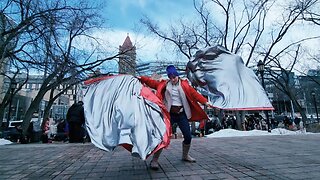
[(181, 100)]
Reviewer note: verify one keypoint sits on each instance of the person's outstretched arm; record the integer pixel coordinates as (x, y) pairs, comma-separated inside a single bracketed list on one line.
[(149, 81)]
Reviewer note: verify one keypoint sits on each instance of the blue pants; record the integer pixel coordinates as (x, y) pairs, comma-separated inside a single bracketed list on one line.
[(183, 123)]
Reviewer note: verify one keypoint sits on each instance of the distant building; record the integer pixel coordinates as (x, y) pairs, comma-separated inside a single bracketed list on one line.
[(313, 72), (309, 91), (158, 69), (127, 59), (22, 100)]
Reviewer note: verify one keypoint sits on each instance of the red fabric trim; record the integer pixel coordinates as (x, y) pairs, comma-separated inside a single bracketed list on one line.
[(149, 95), (246, 109), (98, 79), (202, 124), (94, 80), (250, 109), (127, 147)]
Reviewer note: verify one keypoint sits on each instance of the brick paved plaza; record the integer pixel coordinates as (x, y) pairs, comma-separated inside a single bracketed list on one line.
[(262, 157)]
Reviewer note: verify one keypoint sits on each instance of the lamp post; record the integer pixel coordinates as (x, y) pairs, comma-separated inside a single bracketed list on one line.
[(13, 85), (261, 71), (315, 104)]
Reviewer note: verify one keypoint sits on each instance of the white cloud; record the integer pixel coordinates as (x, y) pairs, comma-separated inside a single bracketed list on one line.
[(149, 47), (142, 3), (125, 5)]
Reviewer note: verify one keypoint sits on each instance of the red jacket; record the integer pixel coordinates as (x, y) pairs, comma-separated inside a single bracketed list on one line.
[(193, 97)]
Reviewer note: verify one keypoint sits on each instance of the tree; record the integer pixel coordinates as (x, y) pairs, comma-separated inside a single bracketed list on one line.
[(11, 76), (49, 45), (283, 80), (247, 28)]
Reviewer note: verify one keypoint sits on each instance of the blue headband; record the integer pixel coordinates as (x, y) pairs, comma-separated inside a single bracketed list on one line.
[(171, 70)]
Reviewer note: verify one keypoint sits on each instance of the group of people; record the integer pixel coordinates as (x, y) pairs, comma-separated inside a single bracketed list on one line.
[(250, 122), (71, 130)]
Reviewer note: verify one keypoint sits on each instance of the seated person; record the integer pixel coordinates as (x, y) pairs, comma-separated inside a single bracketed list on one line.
[(45, 131), (62, 134)]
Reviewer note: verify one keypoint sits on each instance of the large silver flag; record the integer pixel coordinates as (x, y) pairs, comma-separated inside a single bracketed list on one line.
[(119, 110), (228, 83)]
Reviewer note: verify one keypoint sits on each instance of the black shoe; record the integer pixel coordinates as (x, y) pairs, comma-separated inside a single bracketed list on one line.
[(154, 165)]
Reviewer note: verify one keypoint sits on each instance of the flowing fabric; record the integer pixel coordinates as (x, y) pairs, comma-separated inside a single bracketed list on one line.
[(227, 82), (119, 110)]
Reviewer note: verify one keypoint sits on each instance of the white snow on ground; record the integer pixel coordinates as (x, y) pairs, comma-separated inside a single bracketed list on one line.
[(235, 133), (4, 142)]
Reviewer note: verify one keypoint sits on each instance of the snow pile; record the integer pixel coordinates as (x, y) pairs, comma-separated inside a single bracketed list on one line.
[(235, 133), (4, 142)]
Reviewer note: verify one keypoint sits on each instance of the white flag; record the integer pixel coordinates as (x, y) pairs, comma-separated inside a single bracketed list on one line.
[(228, 83)]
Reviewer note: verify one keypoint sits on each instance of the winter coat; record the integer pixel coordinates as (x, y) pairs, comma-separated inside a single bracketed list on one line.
[(193, 97), (75, 114)]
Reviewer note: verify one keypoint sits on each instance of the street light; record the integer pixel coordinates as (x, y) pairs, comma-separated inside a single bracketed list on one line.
[(315, 103), (13, 86), (261, 71)]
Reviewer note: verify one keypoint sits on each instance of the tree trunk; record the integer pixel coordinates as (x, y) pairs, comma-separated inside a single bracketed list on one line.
[(302, 112), (47, 109), (32, 108), (2, 109), (3, 105), (49, 105)]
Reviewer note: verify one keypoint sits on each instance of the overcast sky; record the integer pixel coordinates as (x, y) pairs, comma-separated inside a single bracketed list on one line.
[(123, 17)]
